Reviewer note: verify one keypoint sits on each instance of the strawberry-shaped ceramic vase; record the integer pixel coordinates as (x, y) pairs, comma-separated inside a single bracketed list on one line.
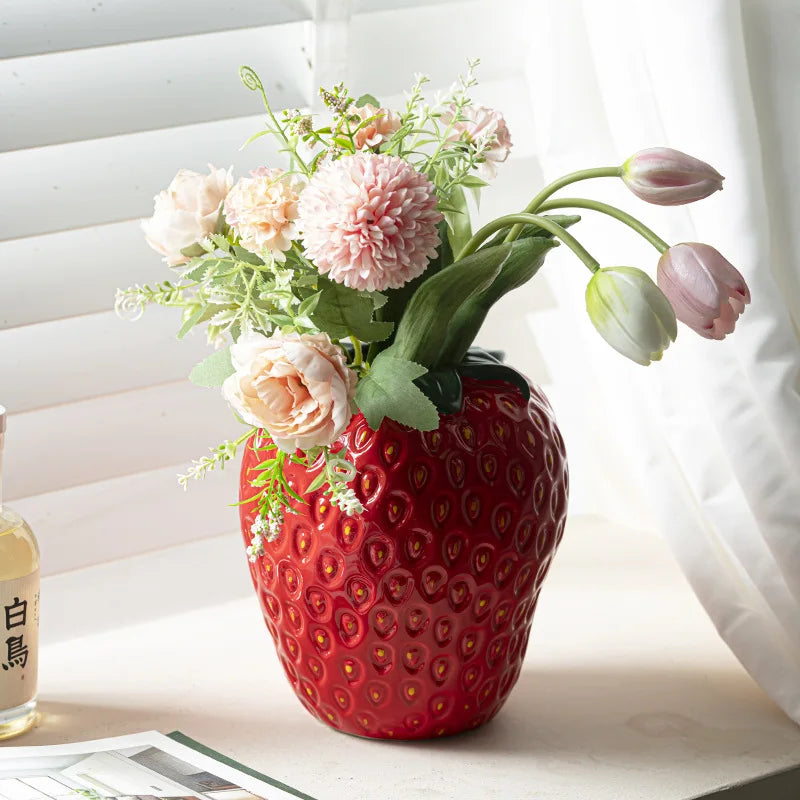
[(412, 619)]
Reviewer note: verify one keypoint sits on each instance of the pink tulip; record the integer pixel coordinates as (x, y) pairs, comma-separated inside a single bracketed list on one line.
[(707, 292), (668, 177)]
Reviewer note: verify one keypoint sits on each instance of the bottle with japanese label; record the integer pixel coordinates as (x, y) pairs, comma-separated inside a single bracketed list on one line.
[(19, 616)]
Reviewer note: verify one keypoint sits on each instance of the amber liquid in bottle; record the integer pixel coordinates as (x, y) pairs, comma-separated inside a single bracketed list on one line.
[(19, 617)]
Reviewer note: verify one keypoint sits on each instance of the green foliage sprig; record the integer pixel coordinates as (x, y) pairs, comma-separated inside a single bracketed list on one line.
[(220, 455)]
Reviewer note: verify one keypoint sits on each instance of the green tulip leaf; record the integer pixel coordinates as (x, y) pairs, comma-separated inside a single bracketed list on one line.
[(525, 258), (423, 329)]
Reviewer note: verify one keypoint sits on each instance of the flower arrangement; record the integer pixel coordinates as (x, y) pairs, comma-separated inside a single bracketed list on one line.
[(352, 282)]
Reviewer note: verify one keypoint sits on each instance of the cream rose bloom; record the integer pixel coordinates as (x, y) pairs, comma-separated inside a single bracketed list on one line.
[(297, 387), (186, 212), (262, 209), (486, 129), (378, 130)]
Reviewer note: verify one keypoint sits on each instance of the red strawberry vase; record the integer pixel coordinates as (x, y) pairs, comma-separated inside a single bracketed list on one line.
[(412, 620)]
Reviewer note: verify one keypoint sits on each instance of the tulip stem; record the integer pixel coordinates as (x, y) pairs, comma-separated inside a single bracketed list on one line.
[(530, 219), (611, 211), (564, 180)]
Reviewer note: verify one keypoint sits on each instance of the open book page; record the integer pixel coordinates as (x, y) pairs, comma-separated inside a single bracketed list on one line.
[(142, 766)]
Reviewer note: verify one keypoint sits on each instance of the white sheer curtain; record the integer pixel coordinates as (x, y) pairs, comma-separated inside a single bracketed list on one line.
[(705, 445)]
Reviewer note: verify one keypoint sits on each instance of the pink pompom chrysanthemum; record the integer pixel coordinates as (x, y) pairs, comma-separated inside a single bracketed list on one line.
[(369, 221)]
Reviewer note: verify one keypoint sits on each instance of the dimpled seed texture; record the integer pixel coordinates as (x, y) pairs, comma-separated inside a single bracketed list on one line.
[(412, 620)]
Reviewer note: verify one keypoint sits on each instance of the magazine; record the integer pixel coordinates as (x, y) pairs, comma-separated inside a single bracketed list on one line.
[(142, 766)]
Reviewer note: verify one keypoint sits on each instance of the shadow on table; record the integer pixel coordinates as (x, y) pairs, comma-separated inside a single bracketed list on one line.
[(551, 717), (61, 721), (597, 713)]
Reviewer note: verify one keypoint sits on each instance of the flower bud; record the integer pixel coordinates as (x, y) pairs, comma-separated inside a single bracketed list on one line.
[(707, 292), (631, 313), (668, 177)]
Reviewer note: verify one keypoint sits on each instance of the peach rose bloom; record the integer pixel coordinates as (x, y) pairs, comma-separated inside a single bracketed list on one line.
[(262, 209), (379, 129), (186, 212), (295, 386)]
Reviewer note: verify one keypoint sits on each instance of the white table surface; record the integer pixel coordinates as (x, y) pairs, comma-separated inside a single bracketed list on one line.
[(627, 691)]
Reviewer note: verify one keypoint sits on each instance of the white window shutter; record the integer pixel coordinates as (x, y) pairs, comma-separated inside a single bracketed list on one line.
[(102, 103)]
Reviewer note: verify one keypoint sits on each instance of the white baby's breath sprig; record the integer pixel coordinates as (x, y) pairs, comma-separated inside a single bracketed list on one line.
[(255, 548), (274, 523), (265, 528), (346, 499)]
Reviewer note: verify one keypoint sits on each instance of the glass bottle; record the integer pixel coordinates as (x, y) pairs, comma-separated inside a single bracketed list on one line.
[(19, 616)]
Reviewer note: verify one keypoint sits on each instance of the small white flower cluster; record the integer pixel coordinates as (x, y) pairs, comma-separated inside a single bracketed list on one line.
[(346, 498), (274, 523), (264, 529), (256, 547)]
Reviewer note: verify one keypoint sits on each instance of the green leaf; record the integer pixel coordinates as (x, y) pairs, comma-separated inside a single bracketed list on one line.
[(245, 255), (309, 304), (398, 299), (422, 331), (458, 221), (213, 370), (523, 261), (193, 250), (448, 209), (388, 390), (379, 300), (191, 321), (343, 312), (221, 227), (367, 98), (488, 366), (304, 281), (317, 482), (220, 242), (444, 389), (473, 182), (444, 386), (196, 272)]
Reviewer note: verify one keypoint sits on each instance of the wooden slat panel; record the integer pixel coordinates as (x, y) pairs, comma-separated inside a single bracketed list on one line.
[(88, 94), (108, 180), (73, 272), (97, 354), (43, 26), (121, 517), (109, 437)]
